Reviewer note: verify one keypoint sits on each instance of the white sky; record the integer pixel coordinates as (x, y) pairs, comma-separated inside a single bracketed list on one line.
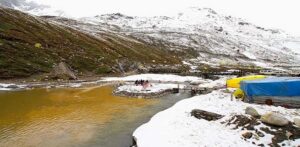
[(282, 14)]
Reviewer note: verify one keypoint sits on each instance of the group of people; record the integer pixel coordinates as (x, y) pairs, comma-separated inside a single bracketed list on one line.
[(141, 82), (144, 83)]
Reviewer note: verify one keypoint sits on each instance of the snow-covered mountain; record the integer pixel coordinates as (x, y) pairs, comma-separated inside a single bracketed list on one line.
[(215, 38), (210, 38)]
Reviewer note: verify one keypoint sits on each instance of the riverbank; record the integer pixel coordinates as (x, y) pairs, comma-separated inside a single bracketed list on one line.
[(28, 83), (176, 126), (54, 84)]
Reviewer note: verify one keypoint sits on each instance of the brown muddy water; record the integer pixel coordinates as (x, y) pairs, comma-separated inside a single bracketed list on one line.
[(71, 117)]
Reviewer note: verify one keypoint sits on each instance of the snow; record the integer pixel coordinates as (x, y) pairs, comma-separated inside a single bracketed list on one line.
[(249, 55), (177, 128), (154, 77), (155, 88), (261, 64), (7, 87), (221, 83)]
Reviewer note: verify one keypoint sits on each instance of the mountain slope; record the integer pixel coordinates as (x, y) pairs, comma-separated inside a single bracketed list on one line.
[(218, 40), (31, 45)]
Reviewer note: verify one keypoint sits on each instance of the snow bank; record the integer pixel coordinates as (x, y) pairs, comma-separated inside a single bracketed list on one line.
[(249, 55), (6, 87), (221, 83), (175, 127), (154, 77), (155, 88), (294, 45)]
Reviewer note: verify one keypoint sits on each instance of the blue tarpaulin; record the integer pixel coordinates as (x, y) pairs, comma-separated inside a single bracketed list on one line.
[(274, 86)]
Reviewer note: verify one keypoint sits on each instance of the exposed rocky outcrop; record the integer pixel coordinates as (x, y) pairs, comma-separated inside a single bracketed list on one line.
[(63, 71), (201, 114)]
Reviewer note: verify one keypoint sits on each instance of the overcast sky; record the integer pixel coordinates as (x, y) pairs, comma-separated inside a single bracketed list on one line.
[(282, 14)]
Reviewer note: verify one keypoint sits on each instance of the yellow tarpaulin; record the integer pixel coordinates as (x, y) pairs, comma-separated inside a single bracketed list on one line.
[(235, 82)]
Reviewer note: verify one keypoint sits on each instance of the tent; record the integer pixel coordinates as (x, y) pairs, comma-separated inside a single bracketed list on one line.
[(278, 89), (235, 82)]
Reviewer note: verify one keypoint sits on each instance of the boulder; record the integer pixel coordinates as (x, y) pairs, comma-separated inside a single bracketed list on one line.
[(247, 135), (201, 114), (251, 111), (297, 122), (274, 119), (62, 71)]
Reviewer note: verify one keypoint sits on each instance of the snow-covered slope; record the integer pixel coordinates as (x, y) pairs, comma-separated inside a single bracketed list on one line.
[(217, 38)]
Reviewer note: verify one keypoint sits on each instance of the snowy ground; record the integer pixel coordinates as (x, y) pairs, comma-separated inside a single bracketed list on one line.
[(175, 127), (154, 77), (154, 88), (161, 82)]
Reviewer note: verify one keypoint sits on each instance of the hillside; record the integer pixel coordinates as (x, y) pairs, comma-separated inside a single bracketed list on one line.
[(31, 45), (198, 37), (218, 39)]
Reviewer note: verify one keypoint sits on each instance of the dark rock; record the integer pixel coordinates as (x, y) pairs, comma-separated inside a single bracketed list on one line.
[(247, 135), (250, 127), (243, 121), (260, 134), (201, 114), (289, 132), (243, 23), (12, 86), (262, 145)]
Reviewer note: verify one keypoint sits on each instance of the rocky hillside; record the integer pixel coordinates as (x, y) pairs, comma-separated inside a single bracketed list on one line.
[(32, 45)]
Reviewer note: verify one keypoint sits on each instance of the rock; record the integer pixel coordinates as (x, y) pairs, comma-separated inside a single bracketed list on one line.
[(288, 134), (251, 111), (12, 87), (297, 122), (201, 114), (274, 119), (62, 71), (260, 134), (247, 135), (262, 145)]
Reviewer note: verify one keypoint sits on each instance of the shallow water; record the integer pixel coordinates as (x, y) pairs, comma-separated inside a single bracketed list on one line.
[(74, 117)]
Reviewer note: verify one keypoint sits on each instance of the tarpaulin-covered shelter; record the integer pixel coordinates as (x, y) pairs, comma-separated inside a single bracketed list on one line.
[(235, 82), (277, 90)]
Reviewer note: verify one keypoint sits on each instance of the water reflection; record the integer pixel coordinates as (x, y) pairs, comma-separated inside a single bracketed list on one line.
[(61, 117)]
